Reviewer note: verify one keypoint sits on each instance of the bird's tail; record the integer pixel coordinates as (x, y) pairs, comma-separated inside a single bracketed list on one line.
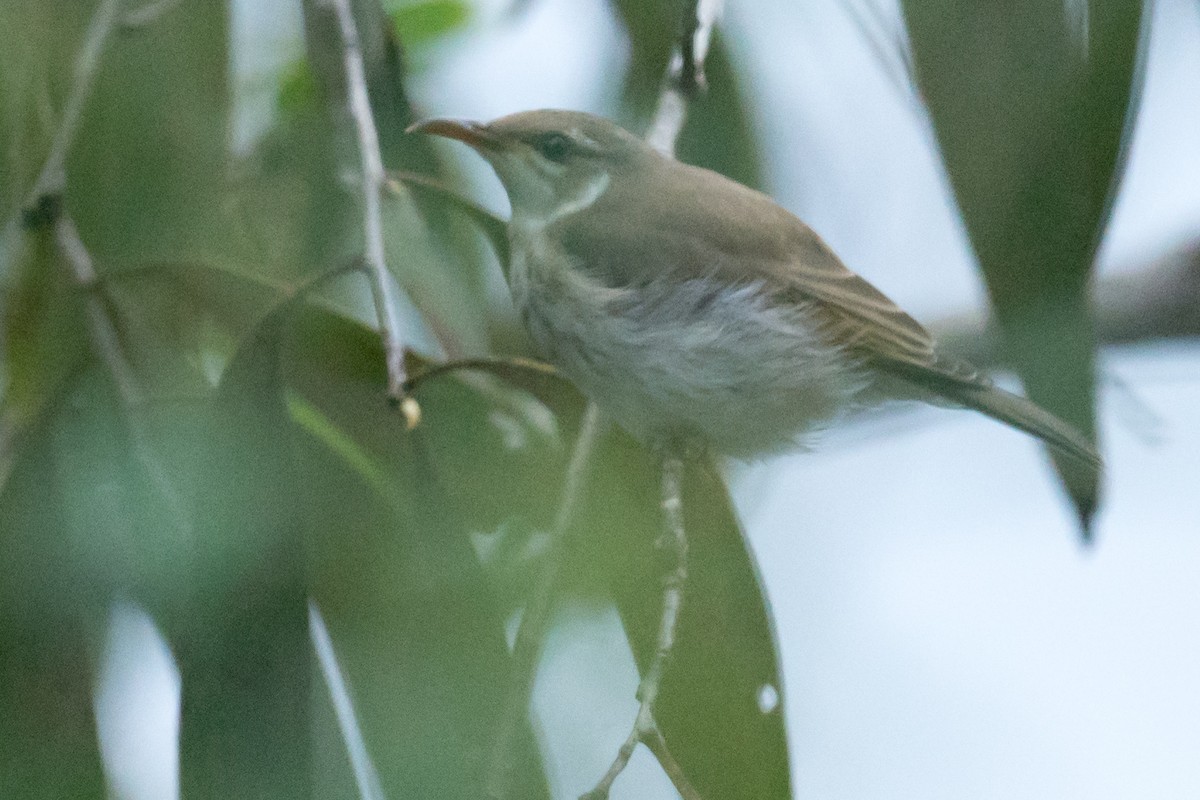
[(1024, 415), (1009, 408)]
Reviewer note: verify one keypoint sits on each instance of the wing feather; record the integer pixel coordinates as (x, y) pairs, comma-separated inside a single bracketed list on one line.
[(698, 226)]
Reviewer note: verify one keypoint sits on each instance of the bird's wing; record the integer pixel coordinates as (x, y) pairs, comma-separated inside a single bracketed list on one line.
[(695, 221)]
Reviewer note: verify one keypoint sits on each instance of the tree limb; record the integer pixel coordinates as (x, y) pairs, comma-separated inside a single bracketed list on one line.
[(1161, 301), (52, 177), (645, 727), (385, 292)]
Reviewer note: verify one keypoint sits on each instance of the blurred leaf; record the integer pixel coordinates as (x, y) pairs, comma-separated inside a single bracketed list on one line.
[(150, 162), (38, 42), (240, 630), (1033, 112), (45, 338), (420, 22), (417, 626)]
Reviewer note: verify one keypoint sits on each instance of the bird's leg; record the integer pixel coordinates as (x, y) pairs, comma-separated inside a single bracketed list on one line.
[(645, 728)]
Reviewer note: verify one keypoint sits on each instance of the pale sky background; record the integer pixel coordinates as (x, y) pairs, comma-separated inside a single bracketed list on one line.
[(943, 635)]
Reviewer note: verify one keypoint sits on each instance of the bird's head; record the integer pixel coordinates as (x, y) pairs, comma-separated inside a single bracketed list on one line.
[(552, 163)]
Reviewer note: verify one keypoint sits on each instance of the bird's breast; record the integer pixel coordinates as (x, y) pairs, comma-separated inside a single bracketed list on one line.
[(694, 359)]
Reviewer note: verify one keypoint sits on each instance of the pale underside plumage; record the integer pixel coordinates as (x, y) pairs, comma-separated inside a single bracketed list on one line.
[(697, 363)]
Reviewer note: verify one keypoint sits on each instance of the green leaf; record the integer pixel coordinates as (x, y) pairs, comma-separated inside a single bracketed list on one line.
[(420, 22), (240, 627), (415, 622), (1033, 112)]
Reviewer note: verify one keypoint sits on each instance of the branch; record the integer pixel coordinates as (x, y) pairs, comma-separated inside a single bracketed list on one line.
[(684, 80), (52, 178), (107, 343), (504, 368), (384, 291), (494, 229), (1161, 301), (104, 334), (645, 727), (685, 74), (535, 620)]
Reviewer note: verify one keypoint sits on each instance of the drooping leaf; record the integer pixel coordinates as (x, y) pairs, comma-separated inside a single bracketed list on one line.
[(240, 630), (391, 515), (1033, 104)]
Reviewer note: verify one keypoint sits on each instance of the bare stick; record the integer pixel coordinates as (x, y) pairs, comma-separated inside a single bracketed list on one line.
[(52, 177), (645, 727), (535, 619), (365, 775), (685, 73), (684, 80), (384, 291), (103, 332), (500, 367)]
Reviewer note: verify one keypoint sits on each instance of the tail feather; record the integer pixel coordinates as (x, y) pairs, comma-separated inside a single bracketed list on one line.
[(1027, 416), (1006, 407)]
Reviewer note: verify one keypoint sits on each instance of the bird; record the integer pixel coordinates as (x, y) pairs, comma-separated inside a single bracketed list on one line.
[(697, 312)]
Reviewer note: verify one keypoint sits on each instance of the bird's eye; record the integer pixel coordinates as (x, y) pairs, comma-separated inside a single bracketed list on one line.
[(554, 146)]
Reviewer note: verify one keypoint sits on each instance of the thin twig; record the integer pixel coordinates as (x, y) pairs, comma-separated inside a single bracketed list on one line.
[(685, 73), (52, 177), (497, 366), (104, 333), (645, 727), (365, 775), (535, 619), (384, 291), (685, 79)]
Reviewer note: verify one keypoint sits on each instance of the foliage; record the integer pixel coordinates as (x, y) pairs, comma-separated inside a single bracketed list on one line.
[(227, 454)]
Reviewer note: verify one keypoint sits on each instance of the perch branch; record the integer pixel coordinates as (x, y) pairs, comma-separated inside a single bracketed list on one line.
[(685, 73), (384, 291), (501, 367), (645, 727), (535, 620), (1160, 301)]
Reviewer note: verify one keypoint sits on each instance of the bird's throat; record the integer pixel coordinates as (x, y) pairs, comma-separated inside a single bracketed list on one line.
[(585, 194)]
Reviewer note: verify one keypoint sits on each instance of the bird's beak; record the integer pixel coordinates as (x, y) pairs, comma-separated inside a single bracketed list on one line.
[(472, 133)]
